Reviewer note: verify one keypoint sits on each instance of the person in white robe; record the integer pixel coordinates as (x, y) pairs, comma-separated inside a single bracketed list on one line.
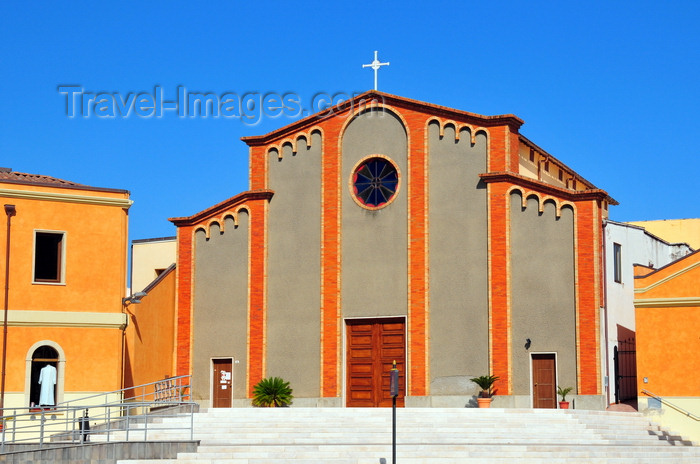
[(47, 380)]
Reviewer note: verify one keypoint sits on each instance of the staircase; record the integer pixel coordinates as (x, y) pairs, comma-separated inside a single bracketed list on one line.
[(435, 436)]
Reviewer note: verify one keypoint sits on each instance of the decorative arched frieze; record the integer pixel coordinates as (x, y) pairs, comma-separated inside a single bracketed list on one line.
[(221, 220), (541, 200), (234, 218), (293, 142), (218, 223), (458, 126)]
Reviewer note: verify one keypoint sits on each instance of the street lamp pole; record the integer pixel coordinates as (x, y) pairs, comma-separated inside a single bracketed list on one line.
[(9, 211)]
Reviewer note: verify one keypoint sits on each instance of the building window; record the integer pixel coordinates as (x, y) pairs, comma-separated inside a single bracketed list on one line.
[(617, 258), (374, 182), (48, 256)]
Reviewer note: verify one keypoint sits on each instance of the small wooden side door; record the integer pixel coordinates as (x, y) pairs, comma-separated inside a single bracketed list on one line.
[(544, 375), (222, 382)]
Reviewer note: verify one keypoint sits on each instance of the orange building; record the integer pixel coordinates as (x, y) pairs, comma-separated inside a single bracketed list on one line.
[(667, 303), (151, 332), (66, 279)]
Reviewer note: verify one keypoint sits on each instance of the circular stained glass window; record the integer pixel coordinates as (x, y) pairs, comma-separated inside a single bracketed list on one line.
[(375, 182)]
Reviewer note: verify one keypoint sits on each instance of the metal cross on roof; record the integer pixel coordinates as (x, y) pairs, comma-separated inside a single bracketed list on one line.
[(375, 65)]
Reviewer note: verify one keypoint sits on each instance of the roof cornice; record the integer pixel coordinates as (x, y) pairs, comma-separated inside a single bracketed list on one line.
[(571, 195), (66, 185), (365, 100), (251, 195), (65, 198)]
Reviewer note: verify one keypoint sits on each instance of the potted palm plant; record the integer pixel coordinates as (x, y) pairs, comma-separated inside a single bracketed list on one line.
[(485, 382), (563, 404), (272, 392)]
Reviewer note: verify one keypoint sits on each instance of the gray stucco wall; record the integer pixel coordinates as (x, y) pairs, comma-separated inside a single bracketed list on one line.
[(542, 278), (374, 243), (294, 272), (458, 261), (220, 304)]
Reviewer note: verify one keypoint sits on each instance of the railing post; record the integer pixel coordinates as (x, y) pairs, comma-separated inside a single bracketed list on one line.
[(41, 430), (191, 421), (2, 448), (14, 425), (127, 425), (109, 422)]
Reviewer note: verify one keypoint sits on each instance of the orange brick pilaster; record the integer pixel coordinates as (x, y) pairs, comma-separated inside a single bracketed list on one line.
[(499, 285), (258, 167), (184, 273), (331, 317), (418, 292), (589, 281), (257, 302)]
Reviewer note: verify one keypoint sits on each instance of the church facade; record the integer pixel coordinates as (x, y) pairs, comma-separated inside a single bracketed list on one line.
[(387, 229)]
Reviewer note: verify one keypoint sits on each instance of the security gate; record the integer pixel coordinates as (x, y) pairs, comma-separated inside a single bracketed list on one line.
[(625, 358)]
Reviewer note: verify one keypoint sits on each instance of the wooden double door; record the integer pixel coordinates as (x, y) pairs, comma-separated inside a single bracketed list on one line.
[(372, 347)]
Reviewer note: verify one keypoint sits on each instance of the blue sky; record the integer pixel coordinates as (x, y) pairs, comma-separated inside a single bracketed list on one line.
[(610, 88)]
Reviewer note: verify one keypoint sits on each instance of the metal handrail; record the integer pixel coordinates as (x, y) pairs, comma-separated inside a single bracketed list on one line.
[(177, 385), (75, 422), (668, 403)]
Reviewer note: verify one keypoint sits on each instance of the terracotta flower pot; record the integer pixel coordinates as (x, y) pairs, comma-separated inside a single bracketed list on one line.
[(563, 405), (484, 402)]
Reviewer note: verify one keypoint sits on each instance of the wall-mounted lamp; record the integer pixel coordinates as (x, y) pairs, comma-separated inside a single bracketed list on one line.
[(528, 342), (131, 299), (135, 298)]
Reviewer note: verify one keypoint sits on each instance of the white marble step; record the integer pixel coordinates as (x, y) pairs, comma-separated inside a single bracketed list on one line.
[(435, 436)]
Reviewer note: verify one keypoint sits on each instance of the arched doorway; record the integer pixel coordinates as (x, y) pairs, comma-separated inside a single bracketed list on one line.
[(41, 355)]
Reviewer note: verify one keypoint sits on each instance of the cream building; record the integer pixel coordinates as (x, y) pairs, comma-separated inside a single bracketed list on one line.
[(674, 230), (149, 259)]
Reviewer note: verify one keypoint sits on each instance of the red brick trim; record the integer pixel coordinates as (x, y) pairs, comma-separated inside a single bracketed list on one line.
[(257, 301), (499, 284), (331, 259), (183, 300), (589, 283), (416, 125)]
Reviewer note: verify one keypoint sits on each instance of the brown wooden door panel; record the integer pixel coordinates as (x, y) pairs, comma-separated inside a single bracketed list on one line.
[(222, 382), (544, 381), (373, 345)]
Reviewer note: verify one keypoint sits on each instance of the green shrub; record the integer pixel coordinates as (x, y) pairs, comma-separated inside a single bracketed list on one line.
[(563, 392), (272, 392), (485, 382)]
